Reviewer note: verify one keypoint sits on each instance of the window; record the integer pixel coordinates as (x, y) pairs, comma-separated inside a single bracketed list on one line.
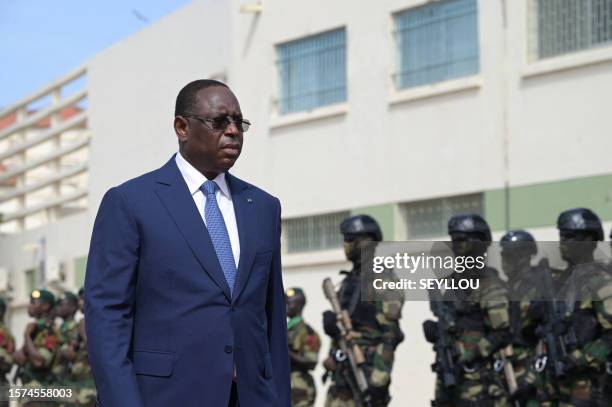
[(564, 26), (312, 71), (437, 42), (426, 219), (313, 232)]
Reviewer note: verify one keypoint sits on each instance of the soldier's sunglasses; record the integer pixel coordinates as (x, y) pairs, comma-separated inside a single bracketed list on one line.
[(220, 123)]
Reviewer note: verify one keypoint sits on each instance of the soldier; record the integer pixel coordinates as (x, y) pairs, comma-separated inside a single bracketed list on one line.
[(41, 343), (80, 371), (7, 347), (304, 345), (376, 323), (66, 308), (586, 290), (481, 327), (518, 248)]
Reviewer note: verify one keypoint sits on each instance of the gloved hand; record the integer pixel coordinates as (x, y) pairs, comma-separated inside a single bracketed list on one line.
[(524, 391), (569, 365), (493, 342), (330, 324)]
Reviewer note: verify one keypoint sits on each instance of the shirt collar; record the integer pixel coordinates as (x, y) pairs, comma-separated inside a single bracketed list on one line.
[(195, 178)]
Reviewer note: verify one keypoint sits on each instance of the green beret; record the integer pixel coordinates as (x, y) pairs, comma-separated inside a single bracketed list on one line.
[(43, 296), (68, 296), (292, 292)]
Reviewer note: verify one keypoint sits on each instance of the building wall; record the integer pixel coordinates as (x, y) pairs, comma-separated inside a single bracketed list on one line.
[(133, 87), (538, 128)]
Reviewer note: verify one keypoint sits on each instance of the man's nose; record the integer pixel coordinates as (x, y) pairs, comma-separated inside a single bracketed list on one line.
[(232, 128)]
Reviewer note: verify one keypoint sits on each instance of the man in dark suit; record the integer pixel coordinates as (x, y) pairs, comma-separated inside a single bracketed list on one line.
[(184, 295)]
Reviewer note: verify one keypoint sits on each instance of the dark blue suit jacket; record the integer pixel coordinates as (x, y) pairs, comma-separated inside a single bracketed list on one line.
[(162, 327)]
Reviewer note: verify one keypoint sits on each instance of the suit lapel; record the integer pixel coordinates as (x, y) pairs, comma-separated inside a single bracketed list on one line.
[(174, 194), (244, 208)]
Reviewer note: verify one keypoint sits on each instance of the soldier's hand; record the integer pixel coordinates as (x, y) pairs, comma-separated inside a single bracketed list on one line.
[(568, 365), (330, 364), (524, 391), (19, 357), (68, 353), (330, 324)]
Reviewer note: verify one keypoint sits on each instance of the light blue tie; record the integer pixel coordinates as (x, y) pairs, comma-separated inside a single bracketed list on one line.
[(218, 233)]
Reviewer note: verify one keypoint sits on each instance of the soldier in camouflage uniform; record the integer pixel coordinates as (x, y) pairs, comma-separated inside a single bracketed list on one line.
[(518, 247), (79, 373), (41, 344), (586, 289), (71, 341), (7, 347), (482, 325), (304, 345), (376, 323), (67, 306)]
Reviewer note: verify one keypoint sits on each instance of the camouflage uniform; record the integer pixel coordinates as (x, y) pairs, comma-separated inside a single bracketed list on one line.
[(68, 332), (304, 341), (480, 316), (79, 377), (7, 347), (378, 334), (481, 323), (74, 372), (587, 290), (526, 344), (46, 339), (526, 287)]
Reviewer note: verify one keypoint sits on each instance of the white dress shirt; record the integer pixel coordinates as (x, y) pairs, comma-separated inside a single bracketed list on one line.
[(194, 180)]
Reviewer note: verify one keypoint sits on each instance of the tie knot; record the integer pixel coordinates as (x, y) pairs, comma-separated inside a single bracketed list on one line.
[(209, 187)]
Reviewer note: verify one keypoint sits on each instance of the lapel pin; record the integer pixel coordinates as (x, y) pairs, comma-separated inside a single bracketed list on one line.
[(249, 200)]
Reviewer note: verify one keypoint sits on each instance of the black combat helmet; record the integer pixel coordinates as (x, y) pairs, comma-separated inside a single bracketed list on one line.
[(580, 220), (469, 223), (361, 225), (527, 242)]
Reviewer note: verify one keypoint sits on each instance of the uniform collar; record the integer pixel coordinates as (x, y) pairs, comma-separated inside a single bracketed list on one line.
[(293, 322)]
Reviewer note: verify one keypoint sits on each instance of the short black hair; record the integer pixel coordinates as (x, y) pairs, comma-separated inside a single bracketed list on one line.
[(186, 98)]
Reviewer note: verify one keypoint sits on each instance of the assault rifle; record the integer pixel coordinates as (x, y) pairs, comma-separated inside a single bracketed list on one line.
[(554, 331), (438, 333), (349, 355)]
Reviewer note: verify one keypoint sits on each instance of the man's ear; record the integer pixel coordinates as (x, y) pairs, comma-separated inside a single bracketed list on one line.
[(181, 128)]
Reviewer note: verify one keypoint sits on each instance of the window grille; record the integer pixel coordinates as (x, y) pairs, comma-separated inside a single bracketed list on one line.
[(312, 71), (437, 42)]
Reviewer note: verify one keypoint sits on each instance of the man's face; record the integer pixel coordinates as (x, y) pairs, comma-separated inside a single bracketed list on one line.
[(468, 244), (209, 150), (295, 305), (65, 309), (36, 308), (575, 245), (354, 244), (514, 261)]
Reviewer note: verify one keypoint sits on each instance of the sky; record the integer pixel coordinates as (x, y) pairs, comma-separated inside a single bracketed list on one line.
[(40, 40)]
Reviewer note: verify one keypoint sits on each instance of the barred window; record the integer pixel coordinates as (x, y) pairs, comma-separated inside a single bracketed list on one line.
[(564, 26), (313, 232), (437, 42), (312, 71), (426, 219)]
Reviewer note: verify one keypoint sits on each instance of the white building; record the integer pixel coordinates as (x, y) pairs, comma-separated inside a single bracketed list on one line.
[(407, 110)]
